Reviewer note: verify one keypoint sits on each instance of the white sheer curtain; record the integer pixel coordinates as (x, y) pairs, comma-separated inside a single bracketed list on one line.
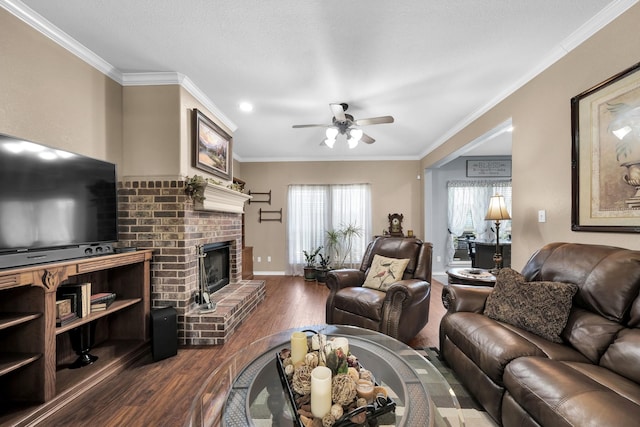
[(314, 209), (472, 198), (459, 203), (307, 218), (351, 205)]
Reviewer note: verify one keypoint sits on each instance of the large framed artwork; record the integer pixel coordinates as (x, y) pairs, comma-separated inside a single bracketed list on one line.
[(212, 148), (605, 158)]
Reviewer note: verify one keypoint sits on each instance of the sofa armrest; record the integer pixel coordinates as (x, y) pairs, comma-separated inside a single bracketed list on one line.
[(344, 278), (465, 297)]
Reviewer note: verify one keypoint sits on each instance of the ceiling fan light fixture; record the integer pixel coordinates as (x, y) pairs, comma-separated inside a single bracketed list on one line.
[(332, 133), (355, 134), (329, 142), (353, 143)]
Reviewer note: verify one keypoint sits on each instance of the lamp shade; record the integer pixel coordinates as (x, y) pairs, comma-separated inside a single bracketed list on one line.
[(497, 209)]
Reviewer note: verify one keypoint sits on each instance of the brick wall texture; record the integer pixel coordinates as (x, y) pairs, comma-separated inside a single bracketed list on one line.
[(158, 215)]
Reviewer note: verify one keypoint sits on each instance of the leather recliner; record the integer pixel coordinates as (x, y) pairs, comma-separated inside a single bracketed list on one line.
[(400, 312)]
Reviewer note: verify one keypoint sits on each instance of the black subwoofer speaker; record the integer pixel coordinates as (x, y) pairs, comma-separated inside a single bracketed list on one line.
[(164, 333)]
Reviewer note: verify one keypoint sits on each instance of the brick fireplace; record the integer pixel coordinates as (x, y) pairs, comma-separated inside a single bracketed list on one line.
[(158, 215)]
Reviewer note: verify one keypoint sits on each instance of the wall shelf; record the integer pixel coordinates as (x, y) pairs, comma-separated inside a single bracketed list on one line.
[(269, 215), (263, 197)]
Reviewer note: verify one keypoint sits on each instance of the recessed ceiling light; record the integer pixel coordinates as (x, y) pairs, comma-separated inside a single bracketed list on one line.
[(246, 107)]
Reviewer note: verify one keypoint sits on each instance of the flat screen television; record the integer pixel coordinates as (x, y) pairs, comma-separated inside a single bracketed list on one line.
[(54, 204)]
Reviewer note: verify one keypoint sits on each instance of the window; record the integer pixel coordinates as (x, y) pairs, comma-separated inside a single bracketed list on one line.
[(468, 202), (314, 209)]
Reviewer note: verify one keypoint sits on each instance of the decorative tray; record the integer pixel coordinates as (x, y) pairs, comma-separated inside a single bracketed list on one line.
[(362, 415)]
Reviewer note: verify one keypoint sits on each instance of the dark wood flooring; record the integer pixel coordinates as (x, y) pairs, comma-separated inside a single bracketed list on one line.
[(161, 393)]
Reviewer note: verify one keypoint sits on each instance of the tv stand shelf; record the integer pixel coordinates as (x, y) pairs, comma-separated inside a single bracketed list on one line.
[(35, 355), (11, 361), (117, 305)]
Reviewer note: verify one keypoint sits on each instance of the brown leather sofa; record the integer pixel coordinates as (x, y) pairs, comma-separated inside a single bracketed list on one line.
[(400, 312), (592, 378)]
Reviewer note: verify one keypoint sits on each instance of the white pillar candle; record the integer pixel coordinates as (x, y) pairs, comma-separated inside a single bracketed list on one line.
[(320, 391), (341, 342), (298, 347)]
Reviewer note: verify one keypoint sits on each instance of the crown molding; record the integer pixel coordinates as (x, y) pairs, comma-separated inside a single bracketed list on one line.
[(49, 30), (174, 78), (592, 26), (46, 28), (325, 159)]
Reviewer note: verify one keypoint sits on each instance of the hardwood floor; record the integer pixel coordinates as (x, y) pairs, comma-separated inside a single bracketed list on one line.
[(161, 393)]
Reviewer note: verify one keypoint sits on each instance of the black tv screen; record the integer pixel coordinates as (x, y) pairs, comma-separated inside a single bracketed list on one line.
[(52, 199)]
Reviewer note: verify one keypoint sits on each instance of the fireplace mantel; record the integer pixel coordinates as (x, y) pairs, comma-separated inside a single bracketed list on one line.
[(221, 199)]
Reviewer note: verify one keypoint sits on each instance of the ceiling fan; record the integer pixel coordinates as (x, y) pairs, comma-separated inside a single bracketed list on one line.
[(345, 124)]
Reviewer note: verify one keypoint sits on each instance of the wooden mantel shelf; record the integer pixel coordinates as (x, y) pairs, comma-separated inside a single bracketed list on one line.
[(221, 199)]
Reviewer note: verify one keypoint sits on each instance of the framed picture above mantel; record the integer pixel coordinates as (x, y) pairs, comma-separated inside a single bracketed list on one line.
[(605, 157), (212, 147)]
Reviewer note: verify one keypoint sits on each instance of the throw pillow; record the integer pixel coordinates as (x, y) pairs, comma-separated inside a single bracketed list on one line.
[(384, 272), (539, 307)]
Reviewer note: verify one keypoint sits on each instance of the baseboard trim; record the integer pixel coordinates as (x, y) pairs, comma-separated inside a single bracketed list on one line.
[(269, 273)]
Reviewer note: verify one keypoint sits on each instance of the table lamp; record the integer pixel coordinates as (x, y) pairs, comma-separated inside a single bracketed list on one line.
[(497, 212)]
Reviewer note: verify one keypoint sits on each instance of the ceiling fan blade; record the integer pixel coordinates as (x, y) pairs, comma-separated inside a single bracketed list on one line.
[(367, 139), (374, 121), (338, 112), (309, 126)]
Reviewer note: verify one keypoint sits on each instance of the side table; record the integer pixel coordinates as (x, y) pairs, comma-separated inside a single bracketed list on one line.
[(471, 276)]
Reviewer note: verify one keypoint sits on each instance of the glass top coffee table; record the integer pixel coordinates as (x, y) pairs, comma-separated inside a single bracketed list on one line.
[(246, 389)]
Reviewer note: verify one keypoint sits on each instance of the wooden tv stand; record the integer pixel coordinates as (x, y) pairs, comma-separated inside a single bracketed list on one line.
[(35, 354)]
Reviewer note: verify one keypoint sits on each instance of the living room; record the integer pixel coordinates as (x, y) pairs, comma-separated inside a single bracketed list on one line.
[(53, 97), (99, 117)]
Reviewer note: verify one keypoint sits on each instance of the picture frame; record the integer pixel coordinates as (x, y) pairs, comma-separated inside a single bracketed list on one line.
[(212, 147), (605, 156), (488, 168)]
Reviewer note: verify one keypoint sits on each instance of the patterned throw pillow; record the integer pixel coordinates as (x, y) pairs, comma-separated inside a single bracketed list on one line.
[(384, 272), (538, 307)]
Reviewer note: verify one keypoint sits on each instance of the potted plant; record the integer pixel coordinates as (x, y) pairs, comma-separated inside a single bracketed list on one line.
[(340, 242), (323, 268), (310, 264)]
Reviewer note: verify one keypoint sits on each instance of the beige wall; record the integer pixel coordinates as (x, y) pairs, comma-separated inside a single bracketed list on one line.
[(158, 131), (52, 97), (49, 96), (151, 122), (541, 152), (394, 185)]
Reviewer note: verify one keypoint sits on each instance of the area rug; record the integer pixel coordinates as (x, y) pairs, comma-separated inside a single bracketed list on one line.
[(472, 413)]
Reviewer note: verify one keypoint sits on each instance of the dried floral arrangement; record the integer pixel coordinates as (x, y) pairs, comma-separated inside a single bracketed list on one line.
[(356, 398), (195, 185)]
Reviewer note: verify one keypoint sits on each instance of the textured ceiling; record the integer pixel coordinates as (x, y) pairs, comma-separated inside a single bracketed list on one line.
[(433, 65)]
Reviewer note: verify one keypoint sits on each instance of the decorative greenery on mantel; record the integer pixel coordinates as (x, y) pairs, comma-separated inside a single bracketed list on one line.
[(211, 195), (195, 185)]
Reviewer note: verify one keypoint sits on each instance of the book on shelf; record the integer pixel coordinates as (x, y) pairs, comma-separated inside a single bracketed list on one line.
[(69, 294), (100, 306), (63, 307), (80, 296), (103, 297), (67, 318)]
